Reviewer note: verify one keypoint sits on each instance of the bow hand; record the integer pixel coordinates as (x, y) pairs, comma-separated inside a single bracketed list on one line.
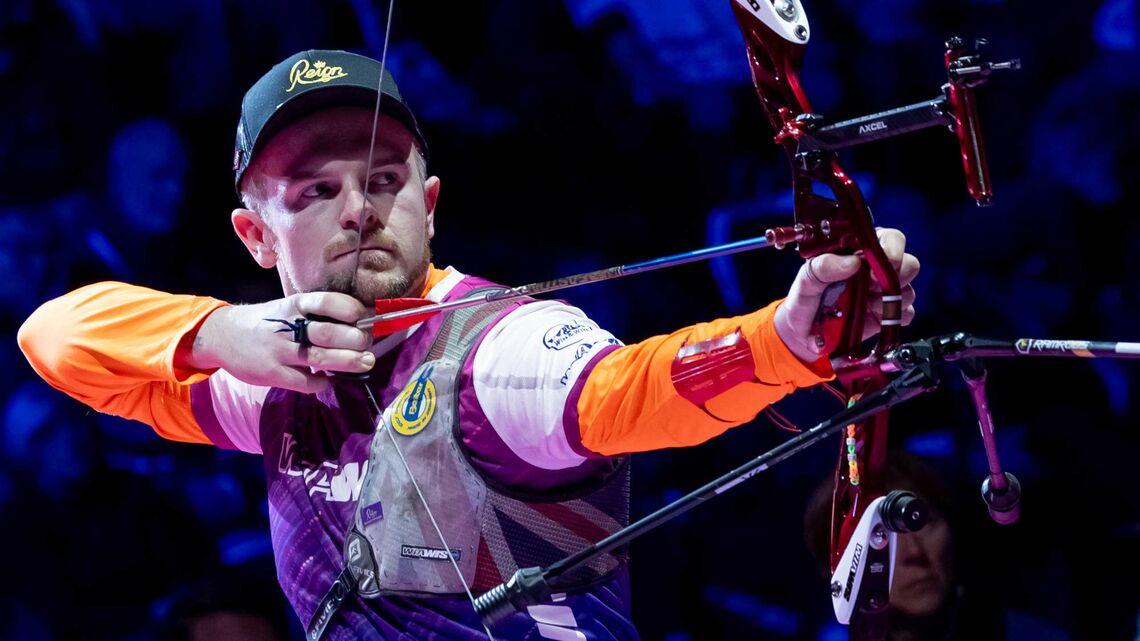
[(804, 320)]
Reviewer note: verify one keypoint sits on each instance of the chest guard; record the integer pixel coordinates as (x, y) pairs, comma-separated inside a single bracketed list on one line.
[(393, 546)]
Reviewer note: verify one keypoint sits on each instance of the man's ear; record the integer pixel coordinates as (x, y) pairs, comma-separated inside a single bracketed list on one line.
[(431, 197), (256, 235)]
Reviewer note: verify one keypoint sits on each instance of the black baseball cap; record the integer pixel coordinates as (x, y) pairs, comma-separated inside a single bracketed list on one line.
[(307, 82)]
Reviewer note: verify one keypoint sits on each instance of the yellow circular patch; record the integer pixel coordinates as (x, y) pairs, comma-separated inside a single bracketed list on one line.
[(415, 406)]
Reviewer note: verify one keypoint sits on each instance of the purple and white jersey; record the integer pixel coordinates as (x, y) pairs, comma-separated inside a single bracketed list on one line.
[(517, 419)]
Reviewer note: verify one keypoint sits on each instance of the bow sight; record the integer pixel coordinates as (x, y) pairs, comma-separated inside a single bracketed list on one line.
[(956, 109)]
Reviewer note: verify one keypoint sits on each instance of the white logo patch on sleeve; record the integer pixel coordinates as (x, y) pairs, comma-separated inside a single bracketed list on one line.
[(524, 372), (567, 334)]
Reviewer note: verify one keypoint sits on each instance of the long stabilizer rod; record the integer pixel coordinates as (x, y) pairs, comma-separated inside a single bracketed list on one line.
[(955, 347)]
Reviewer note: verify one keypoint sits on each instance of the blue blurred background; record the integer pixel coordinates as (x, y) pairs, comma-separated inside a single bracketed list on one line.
[(569, 136)]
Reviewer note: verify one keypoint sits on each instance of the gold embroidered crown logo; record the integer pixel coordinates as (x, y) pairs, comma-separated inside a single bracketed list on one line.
[(303, 73)]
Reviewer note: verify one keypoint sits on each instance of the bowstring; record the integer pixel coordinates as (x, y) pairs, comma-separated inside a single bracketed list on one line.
[(383, 425), (365, 202)]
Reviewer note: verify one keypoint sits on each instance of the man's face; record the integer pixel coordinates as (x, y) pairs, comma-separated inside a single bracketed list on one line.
[(317, 203)]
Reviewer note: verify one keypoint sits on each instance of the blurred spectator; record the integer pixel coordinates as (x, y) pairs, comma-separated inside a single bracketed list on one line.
[(117, 539), (47, 444), (930, 598), (146, 173), (27, 262), (232, 605)]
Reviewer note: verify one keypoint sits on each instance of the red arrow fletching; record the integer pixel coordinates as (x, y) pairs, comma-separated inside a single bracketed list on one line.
[(389, 305)]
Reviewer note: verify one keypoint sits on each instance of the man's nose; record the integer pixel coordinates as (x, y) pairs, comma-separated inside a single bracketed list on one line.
[(359, 211)]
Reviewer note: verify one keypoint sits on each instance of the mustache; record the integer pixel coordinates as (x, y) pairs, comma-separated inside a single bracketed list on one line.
[(349, 244)]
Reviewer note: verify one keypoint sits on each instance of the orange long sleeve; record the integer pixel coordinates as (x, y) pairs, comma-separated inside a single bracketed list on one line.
[(629, 403), (111, 346)]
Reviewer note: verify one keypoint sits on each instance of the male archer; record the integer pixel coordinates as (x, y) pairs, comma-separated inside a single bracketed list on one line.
[(480, 441)]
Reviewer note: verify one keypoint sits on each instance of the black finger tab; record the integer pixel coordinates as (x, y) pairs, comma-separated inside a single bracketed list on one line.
[(299, 327)]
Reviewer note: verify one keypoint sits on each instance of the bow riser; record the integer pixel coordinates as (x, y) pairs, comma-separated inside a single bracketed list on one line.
[(842, 225), (775, 55), (775, 46)]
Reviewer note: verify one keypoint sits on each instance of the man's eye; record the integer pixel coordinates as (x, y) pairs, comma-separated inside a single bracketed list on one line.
[(316, 190), (385, 179)]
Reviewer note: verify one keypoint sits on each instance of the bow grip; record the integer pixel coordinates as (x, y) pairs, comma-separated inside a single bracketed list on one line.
[(839, 226), (838, 327)]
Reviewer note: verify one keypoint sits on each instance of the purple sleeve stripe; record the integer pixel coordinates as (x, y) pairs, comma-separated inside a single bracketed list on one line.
[(202, 404), (570, 413)]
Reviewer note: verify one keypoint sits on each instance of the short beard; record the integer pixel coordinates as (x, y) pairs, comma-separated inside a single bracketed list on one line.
[(368, 290)]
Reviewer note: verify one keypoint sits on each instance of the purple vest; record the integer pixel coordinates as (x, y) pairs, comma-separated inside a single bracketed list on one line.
[(316, 454)]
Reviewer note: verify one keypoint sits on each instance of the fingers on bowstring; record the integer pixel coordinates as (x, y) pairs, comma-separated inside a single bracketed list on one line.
[(329, 359), (335, 305), (338, 335)]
